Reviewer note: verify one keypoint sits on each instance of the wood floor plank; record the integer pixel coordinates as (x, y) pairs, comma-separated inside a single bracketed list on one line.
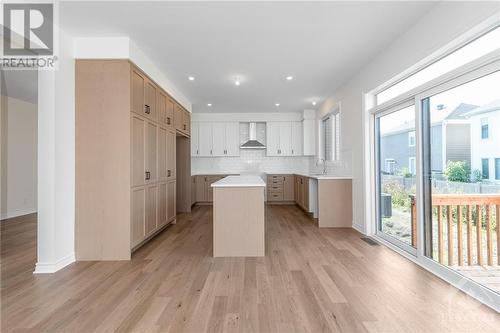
[(311, 280)]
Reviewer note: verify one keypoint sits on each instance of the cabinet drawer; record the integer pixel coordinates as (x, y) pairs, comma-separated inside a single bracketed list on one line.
[(274, 196), (275, 187)]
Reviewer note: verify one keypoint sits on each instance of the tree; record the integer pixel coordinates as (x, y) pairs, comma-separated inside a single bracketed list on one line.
[(457, 171)]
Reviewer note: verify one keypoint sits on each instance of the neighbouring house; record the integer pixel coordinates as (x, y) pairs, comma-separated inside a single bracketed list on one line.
[(450, 141), (485, 140)]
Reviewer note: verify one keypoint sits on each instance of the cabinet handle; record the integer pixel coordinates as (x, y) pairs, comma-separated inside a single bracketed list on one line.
[(147, 109), (148, 175), (197, 152), (292, 151), (210, 151), (169, 173), (168, 120), (184, 126)]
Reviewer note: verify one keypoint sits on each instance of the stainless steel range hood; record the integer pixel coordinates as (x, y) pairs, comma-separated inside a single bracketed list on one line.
[(252, 142)]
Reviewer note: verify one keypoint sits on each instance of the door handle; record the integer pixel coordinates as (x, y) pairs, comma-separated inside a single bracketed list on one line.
[(169, 173), (168, 120), (148, 175), (147, 109)]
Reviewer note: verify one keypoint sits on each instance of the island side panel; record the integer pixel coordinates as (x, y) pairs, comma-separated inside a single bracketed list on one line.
[(335, 203), (239, 222)]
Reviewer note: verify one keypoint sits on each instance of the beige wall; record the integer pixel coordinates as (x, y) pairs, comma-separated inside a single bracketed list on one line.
[(19, 158)]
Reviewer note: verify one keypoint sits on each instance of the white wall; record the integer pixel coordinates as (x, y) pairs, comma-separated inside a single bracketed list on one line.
[(19, 157), (56, 165), (445, 22)]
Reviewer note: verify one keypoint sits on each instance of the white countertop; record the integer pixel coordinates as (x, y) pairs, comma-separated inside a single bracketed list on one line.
[(323, 177), (240, 181)]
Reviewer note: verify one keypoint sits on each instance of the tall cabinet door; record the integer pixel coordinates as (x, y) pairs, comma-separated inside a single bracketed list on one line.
[(150, 100), (285, 138), (171, 205), (205, 140), (233, 139), (169, 113), (161, 107), (162, 153), (162, 204), (138, 216), (296, 149), (218, 139), (138, 150), (273, 139), (151, 208), (138, 81), (171, 151), (151, 152), (195, 151)]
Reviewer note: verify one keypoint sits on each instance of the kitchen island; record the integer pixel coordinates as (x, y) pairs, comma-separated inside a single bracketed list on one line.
[(238, 217)]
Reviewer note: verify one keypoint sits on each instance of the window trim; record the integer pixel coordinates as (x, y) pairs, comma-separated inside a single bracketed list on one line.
[(335, 114), (480, 30)]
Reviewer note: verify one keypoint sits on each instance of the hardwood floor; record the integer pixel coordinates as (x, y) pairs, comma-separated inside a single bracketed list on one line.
[(310, 280)]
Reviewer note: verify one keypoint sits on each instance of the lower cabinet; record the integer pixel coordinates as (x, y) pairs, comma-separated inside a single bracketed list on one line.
[(280, 188), (301, 185), (203, 190)]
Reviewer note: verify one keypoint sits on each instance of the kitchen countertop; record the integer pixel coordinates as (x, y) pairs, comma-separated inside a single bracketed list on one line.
[(240, 181), (323, 177)]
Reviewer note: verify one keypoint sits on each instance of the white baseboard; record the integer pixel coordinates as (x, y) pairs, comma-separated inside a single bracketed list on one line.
[(358, 228), (47, 268), (16, 213)]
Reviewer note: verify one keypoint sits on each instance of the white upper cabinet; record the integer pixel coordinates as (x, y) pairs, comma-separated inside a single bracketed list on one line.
[(284, 138), (297, 139), (218, 139), (195, 139), (205, 139), (273, 138), (215, 139), (233, 139)]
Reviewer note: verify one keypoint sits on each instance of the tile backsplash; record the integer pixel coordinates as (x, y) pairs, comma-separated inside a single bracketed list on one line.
[(251, 160)]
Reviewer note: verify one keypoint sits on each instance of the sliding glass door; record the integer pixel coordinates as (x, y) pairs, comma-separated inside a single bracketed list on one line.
[(396, 170), (461, 144)]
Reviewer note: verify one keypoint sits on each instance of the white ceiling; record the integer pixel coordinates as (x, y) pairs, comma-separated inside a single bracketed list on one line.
[(321, 44)]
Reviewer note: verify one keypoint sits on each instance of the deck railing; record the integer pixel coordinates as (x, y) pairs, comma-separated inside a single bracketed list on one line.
[(464, 212)]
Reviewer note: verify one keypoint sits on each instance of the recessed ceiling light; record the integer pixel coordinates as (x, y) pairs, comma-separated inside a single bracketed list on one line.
[(314, 103), (209, 104), (277, 104), (191, 78), (289, 78), (237, 82)]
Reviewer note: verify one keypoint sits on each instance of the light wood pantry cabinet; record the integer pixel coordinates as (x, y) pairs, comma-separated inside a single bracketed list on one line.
[(182, 120), (284, 138), (125, 159), (216, 139)]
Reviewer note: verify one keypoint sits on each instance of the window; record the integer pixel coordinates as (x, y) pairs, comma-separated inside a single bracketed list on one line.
[(484, 128), (390, 166), (330, 137), (412, 165), (497, 168), (411, 139), (477, 48), (485, 168)]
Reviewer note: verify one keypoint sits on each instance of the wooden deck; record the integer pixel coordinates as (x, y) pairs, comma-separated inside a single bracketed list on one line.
[(488, 276)]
